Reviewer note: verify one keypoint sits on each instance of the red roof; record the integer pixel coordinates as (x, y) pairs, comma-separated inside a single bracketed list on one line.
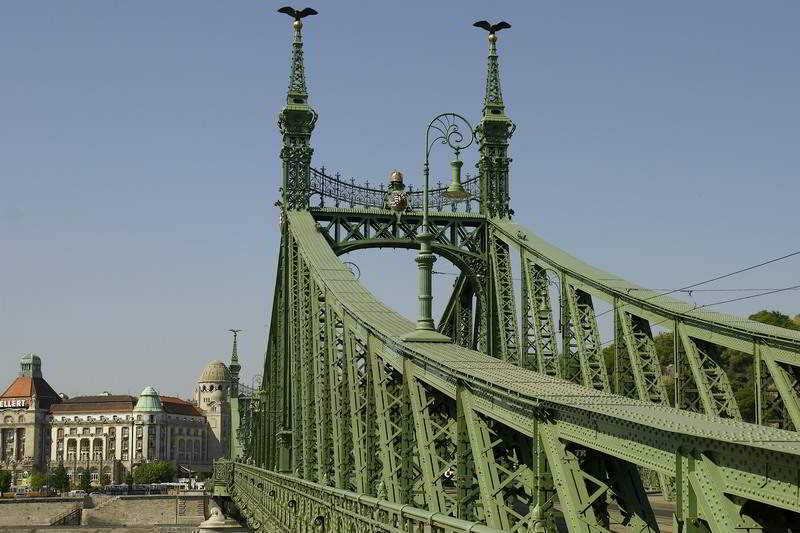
[(121, 404), (26, 387), (176, 406), (95, 404)]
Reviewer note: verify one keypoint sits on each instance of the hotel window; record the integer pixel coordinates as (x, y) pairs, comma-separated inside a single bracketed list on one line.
[(98, 431), (112, 431), (95, 476), (125, 455), (124, 432), (60, 433), (85, 431)]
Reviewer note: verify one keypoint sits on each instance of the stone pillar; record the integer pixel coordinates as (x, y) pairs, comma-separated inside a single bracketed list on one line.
[(144, 442), (118, 450), (16, 443), (54, 444)]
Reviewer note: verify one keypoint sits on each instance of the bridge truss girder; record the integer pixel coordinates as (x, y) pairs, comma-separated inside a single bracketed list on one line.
[(447, 429)]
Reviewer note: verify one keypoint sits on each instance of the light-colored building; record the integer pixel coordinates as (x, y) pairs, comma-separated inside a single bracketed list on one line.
[(211, 395), (24, 410), (111, 434)]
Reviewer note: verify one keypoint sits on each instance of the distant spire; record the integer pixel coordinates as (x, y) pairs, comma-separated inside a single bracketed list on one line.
[(234, 366)]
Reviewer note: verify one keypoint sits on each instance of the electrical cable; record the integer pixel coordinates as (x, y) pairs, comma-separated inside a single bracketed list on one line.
[(696, 307)]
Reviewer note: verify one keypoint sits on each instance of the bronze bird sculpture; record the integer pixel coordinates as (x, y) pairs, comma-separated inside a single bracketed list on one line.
[(492, 28), (292, 12)]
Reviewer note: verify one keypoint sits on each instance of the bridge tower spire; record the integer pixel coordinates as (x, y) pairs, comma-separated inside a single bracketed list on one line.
[(234, 366), (296, 122), (494, 131)]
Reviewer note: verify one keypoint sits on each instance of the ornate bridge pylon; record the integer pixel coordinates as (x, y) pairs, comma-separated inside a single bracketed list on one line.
[(517, 421)]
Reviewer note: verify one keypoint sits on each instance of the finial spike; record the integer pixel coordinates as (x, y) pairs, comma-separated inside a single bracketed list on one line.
[(298, 93), (234, 351), (493, 101)]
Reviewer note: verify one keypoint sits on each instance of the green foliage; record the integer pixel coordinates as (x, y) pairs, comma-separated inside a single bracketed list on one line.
[(85, 481), (59, 479), (5, 481), (105, 479), (776, 318), (158, 472), (129, 479), (37, 480)]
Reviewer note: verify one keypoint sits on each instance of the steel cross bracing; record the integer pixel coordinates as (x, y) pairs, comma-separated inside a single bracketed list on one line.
[(538, 333), (448, 429), (703, 385), (355, 429)]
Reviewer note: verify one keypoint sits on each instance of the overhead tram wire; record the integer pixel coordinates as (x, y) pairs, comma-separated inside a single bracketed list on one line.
[(696, 307), (733, 289), (690, 288), (717, 278)]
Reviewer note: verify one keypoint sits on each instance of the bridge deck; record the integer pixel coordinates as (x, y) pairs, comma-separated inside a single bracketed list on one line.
[(533, 387)]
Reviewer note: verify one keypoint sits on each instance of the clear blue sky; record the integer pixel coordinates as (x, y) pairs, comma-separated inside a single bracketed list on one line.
[(139, 156)]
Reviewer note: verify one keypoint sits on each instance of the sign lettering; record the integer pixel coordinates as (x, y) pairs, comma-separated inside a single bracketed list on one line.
[(14, 403)]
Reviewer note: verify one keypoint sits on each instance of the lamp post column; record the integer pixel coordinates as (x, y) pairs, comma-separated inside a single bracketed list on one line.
[(425, 260), (448, 133)]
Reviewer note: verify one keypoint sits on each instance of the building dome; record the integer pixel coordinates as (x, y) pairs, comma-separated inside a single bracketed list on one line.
[(215, 372), (149, 401)]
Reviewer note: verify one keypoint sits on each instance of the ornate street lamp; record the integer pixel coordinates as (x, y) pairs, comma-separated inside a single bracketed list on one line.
[(446, 129)]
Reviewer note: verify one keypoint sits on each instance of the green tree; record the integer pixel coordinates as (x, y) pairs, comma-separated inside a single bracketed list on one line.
[(775, 318), (105, 479), (129, 479), (59, 479), (5, 481), (37, 480), (158, 472), (85, 481)]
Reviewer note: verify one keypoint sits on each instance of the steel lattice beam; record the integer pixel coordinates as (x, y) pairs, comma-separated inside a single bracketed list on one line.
[(505, 336)]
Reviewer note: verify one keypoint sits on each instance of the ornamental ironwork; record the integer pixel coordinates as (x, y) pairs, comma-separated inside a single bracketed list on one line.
[(334, 191)]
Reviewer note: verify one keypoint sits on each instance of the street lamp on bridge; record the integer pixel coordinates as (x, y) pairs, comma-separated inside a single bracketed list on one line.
[(446, 129)]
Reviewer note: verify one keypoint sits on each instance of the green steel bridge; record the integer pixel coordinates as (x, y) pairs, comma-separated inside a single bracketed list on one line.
[(514, 423)]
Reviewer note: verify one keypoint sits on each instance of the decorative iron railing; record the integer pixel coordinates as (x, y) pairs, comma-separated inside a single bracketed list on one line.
[(263, 496), (335, 191)]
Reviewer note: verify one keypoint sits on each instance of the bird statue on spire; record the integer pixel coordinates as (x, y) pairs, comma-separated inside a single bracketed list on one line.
[(297, 15), (492, 28)]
